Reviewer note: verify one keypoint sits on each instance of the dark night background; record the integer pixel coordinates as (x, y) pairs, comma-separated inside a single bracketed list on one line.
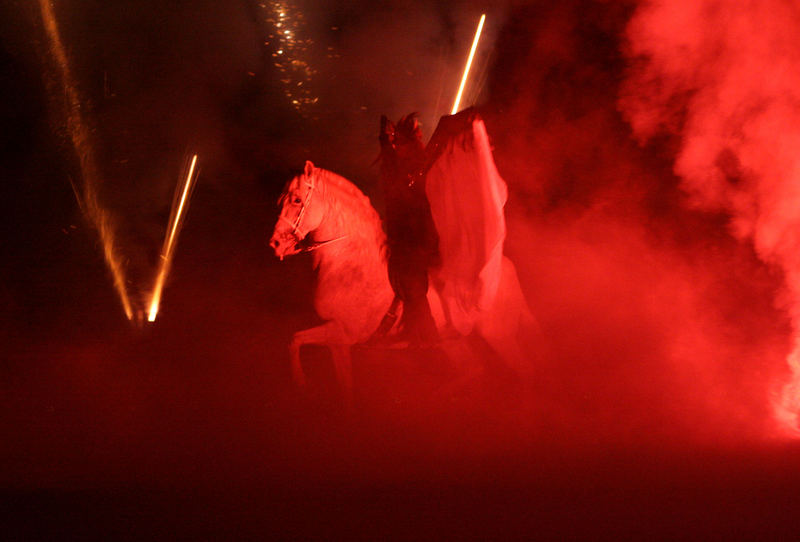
[(650, 411)]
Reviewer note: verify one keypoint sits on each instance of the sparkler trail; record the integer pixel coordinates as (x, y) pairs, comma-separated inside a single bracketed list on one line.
[(79, 134), (469, 64), (179, 205)]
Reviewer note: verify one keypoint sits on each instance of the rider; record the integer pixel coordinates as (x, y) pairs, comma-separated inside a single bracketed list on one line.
[(411, 235)]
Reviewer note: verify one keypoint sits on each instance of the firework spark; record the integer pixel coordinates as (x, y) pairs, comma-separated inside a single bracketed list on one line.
[(79, 134), (179, 205), (290, 51), (469, 65)]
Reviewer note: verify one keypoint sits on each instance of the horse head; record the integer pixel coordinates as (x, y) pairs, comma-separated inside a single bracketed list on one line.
[(301, 212)]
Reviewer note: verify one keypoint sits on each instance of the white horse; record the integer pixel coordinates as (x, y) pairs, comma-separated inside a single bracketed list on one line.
[(326, 211)]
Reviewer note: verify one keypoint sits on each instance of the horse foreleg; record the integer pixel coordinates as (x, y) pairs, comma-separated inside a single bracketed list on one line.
[(344, 369), (298, 375), (328, 334)]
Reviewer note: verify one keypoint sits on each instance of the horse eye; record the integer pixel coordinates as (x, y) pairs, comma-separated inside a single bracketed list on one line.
[(297, 201)]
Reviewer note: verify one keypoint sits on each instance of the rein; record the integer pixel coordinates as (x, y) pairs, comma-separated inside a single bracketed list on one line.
[(318, 244)]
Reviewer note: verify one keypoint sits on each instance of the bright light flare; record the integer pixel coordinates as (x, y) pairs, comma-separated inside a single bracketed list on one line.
[(469, 64), (179, 206)]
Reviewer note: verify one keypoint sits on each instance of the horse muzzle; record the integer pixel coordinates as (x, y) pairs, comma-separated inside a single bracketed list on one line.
[(284, 246)]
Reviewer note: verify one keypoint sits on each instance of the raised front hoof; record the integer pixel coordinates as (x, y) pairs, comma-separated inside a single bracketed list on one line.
[(299, 381), (298, 376)]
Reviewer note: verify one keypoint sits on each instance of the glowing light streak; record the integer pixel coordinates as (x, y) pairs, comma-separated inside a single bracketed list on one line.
[(469, 64), (79, 134), (186, 187), (182, 195)]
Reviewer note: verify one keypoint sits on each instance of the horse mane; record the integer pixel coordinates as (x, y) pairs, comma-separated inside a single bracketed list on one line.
[(351, 214)]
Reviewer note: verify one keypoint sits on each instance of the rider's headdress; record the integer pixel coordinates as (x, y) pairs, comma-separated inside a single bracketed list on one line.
[(407, 129)]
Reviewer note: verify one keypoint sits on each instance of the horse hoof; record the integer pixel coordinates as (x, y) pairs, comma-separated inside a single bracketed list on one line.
[(299, 377)]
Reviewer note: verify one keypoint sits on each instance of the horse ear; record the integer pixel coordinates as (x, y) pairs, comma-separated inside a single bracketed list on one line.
[(309, 169)]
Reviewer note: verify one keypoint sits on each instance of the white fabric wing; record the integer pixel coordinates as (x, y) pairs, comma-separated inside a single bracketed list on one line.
[(467, 196)]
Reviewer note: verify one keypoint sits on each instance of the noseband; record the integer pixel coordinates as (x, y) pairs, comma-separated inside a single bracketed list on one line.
[(299, 220)]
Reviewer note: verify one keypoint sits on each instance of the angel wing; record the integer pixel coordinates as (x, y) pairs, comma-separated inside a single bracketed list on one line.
[(467, 196)]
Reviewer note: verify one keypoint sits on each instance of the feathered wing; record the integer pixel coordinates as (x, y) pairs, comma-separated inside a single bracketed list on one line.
[(467, 196)]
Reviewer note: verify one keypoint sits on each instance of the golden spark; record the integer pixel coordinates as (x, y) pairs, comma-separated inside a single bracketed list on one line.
[(79, 133), (291, 51)]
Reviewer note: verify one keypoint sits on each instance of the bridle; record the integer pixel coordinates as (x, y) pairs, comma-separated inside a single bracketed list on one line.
[(296, 225), (299, 220)]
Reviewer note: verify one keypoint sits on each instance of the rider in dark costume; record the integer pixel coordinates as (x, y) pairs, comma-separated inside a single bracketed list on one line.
[(411, 234)]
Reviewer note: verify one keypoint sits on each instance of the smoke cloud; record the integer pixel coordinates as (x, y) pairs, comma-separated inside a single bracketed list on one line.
[(664, 320), (723, 79)]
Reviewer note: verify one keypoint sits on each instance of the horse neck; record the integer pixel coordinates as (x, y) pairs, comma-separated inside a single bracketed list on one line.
[(351, 222)]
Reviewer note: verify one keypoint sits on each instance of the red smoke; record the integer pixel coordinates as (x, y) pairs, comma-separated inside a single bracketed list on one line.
[(659, 322), (651, 395), (723, 77)]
